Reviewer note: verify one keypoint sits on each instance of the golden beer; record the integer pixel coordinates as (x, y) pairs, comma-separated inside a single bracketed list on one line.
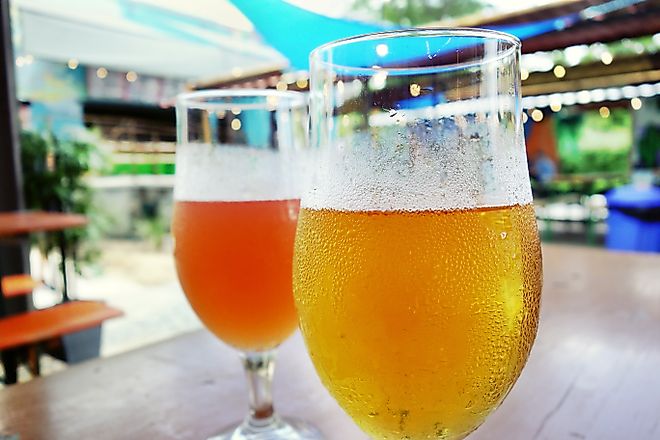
[(418, 322)]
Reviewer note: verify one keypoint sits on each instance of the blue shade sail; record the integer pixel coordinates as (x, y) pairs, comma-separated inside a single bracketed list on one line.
[(295, 32)]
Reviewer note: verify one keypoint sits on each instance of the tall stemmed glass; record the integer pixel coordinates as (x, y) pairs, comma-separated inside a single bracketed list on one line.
[(417, 268), (236, 205)]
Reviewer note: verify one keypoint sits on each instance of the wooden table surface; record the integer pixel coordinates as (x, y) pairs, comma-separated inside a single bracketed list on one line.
[(24, 222), (594, 373)]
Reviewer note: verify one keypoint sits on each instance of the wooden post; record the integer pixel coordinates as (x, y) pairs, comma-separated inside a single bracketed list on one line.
[(13, 257), (10, 165)]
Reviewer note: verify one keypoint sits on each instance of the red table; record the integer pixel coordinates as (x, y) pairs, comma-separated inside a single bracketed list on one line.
[(25, 222), (19, 223)]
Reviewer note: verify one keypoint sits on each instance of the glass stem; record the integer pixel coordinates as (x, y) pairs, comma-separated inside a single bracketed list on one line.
[(259, 368)]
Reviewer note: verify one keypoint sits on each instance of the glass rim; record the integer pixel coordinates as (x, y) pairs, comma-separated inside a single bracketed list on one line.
[(202, 99), (439, 31)]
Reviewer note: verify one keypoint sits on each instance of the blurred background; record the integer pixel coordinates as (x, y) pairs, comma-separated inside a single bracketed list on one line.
[(95, 84)]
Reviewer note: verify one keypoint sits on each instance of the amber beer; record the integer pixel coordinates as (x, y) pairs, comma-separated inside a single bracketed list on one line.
[(234, 264), (418, 322)]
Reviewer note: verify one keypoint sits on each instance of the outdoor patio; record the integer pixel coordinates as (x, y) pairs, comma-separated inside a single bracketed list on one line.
[(140, 281)]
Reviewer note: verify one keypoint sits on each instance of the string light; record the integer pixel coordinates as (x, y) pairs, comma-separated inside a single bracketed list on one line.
[(236, 124), (272, 102), (612, 94), (73, 64), (584, 97), (131, 76), (604, 112), (606, 58), (559, 71), (555, 106), (598, 95), (102, 72), (378, 81), (537, 115), (524, 74), (288, 78), (382, 50), (646, 90), (301, 83), (281, 86), (415, 89), (524, 118)]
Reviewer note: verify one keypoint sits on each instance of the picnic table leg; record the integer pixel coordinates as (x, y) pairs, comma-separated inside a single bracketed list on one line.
[(33, 355), (10, 365), (63, 252)]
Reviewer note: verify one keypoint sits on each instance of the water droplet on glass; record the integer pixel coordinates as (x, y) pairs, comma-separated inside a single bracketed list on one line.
[(503, 235)]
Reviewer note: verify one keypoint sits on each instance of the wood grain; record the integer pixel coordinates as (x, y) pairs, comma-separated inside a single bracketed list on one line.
[(593, 373)]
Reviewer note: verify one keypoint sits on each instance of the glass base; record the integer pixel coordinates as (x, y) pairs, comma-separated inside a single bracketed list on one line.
[(278, 429)]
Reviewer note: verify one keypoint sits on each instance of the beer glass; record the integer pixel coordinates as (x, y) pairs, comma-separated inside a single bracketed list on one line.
[(236, 205), (417, 266)]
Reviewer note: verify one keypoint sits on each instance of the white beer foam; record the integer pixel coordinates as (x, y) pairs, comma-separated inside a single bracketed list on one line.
[(231, 173), (442, 165)]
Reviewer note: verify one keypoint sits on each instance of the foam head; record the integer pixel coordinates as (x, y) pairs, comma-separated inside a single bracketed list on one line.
[(239, 145), (433, 124)]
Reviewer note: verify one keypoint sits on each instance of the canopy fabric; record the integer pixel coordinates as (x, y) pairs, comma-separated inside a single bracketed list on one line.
[(197, 39), (295, 32), (135, 35), (528, 30)]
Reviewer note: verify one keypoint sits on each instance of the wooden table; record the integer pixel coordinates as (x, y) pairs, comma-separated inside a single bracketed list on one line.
[(17, 223), (594, 373), (25, 222)]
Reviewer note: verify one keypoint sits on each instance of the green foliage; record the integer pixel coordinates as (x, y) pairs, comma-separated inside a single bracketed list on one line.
[(649, 147), (602, 160), (589, 143), (53, 180), (418, 12), (586, 185), (154, 229)]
